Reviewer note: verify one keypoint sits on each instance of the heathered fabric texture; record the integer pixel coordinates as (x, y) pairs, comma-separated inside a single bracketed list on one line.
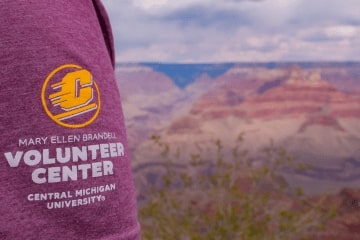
[(64, 161)]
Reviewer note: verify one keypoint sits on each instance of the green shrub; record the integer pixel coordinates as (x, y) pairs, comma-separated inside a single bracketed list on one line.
[(232, 198)]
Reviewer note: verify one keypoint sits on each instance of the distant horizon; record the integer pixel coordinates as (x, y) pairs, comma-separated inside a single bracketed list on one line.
[(236, 62), (183, 74)]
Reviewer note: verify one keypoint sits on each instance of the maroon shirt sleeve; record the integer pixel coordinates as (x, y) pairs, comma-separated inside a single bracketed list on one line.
[(65, 170)]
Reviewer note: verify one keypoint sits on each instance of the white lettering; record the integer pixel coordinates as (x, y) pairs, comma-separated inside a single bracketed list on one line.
[(93, 149), (63, 157), (47, 159), (96, 169), (32, 157), (79, 154), (14, 161), (68, 173), (120, 148), (104, 150), (84, 170), (72, 173), (54, 174), (108, 168), (36, 176)]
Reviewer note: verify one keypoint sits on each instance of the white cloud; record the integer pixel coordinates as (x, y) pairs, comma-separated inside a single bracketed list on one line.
[(235, 30), (150, 5), (341, 31)]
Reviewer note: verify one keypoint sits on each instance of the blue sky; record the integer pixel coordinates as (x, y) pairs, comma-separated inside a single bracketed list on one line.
[(208, 31)]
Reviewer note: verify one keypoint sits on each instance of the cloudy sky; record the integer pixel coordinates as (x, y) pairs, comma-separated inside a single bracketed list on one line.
[(208, 31)]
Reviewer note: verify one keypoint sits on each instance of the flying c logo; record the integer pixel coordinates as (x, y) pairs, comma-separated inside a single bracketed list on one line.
[(70, 96)]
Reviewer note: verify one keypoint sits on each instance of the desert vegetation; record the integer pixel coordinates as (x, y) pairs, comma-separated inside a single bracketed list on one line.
[(229, 196)]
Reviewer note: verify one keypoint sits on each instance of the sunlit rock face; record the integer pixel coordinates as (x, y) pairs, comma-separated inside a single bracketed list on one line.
[(311, 110)]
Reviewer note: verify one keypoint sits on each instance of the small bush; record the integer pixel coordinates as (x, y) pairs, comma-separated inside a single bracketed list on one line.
[(232, 198)]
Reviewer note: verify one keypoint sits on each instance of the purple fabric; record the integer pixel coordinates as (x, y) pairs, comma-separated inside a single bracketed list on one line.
[(64, 161)]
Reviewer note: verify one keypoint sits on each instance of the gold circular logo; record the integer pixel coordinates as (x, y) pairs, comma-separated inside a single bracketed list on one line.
[(70, 96)]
